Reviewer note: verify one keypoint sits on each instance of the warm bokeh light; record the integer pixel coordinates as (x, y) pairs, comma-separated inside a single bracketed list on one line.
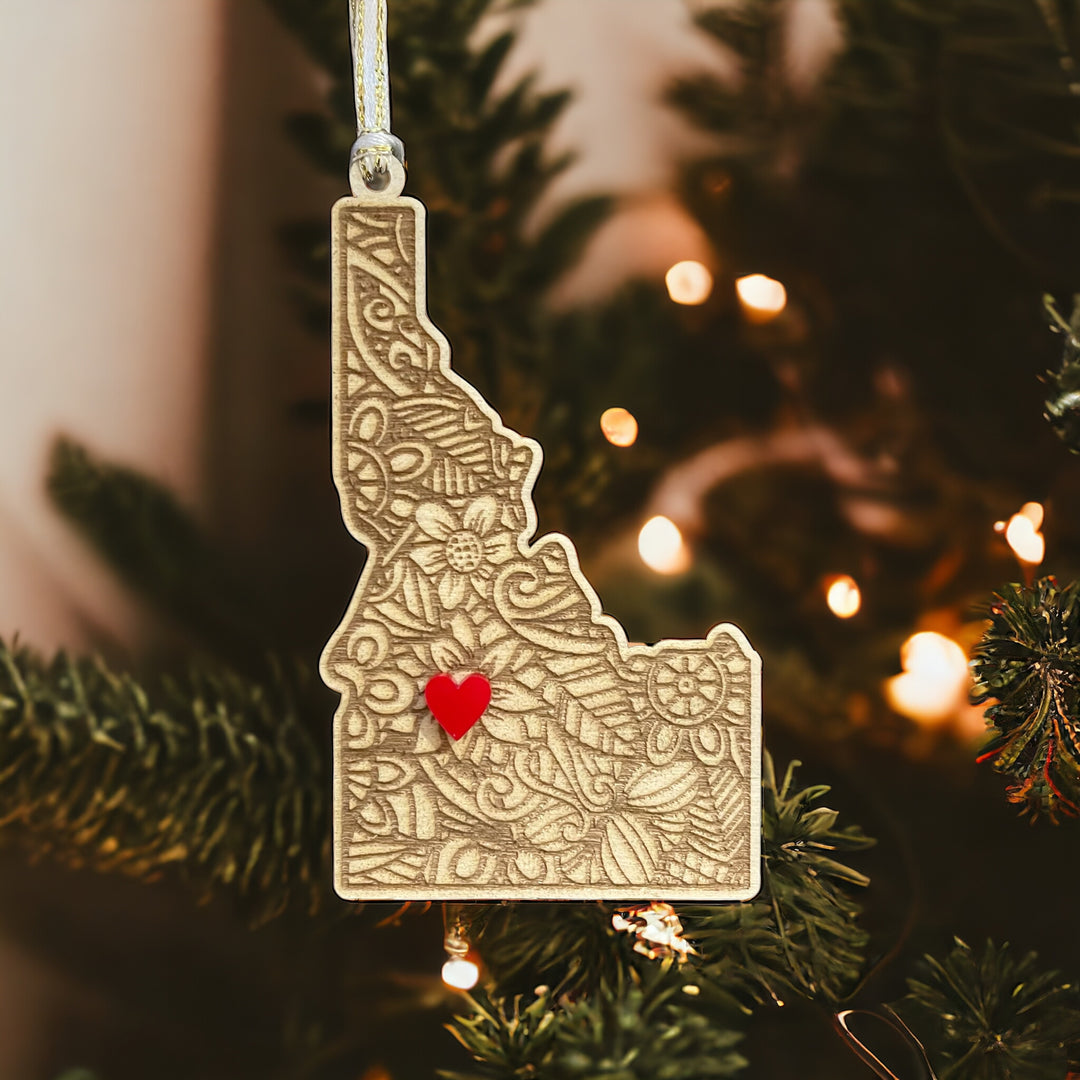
[(1023, 536), (762, 298), (1034, 512), (689, 282), (661, 546), (460, 974), (935, 679), (656, 929), (843, 596), (619, 426), (1026, 542)]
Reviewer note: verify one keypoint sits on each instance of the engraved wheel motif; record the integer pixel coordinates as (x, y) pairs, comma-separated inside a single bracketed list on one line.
[(686, 689)]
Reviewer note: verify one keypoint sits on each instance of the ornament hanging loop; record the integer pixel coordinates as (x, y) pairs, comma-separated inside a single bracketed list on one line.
[(377, 159), (375, 172)]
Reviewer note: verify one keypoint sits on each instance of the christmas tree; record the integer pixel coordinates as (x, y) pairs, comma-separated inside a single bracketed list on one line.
[(841, 421)]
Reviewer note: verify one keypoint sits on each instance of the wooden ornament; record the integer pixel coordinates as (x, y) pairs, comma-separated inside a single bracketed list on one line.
[(597, 769)]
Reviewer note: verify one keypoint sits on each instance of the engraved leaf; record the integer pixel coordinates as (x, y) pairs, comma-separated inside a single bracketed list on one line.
[(496, 659), (447, 655), (399, 617), (669, 787), (406, 461), (505, 728), (624, 853), (549, 829), (709, 742), (513, 697)]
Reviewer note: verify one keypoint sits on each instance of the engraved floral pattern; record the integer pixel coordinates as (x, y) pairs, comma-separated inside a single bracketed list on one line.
[(463, 550), (598, 769)]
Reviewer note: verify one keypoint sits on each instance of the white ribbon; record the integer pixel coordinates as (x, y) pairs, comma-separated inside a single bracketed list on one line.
[(367, 23)]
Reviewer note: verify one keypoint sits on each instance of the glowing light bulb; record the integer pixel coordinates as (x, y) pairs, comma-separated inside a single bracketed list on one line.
[(619, 426), (661, 546), (843, 596), (1023, 536), (762, 298), (460, 974), (935, 678), (689, 282)]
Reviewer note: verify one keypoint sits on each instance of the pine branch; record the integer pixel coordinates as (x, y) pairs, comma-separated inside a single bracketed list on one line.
[(640, 1026), (995, 1016), (212, 776), (1063, 404), (800, 934), (156, 547), (1028, 663), (571, 946)]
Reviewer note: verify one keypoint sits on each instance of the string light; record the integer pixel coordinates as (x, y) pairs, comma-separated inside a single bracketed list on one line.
[(935, 678), (1023, 536), (762, 298), (661, 546), (619, 426), (657, 931), (843, 596), (459, 972), (689, 282)]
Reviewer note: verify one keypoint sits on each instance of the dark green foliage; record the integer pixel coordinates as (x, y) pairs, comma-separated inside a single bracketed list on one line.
[(1063, 404), (998, 76), (211, 776), (1028, 662), (897, 200), (156, 547), (987, 86), (993, 1017), (571, 946), (640, 1026), (800, 935)]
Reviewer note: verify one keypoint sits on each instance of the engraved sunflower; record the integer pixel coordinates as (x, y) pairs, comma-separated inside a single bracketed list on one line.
[(464, 549)]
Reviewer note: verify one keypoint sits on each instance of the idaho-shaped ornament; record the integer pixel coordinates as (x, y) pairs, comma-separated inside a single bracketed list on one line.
[(497, 736)]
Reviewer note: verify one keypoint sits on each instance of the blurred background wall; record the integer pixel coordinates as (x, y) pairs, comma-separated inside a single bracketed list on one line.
[(110, 113)]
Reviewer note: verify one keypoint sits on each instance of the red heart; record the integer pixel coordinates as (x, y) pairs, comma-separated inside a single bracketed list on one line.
[(457, 708)]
